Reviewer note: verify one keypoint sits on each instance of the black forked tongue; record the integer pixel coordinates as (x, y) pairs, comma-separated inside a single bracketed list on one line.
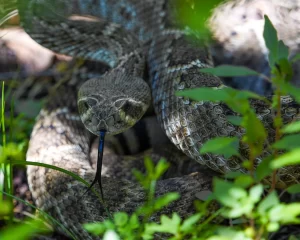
[(99, 164)]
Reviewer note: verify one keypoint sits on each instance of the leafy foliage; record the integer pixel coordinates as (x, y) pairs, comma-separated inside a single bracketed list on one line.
[(23, 231), (243, 198), (230, 71), (222, 145)]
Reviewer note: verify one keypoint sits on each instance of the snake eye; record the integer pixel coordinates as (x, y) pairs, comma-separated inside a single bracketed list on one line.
[(124, 105), (88, 121), (127, 106), (92, 102), (133, 109)]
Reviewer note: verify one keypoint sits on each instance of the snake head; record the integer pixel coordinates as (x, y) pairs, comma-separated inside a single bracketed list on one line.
[(114, 102)]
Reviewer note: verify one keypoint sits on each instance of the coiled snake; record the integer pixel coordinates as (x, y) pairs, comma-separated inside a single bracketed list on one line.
[(126, 35)]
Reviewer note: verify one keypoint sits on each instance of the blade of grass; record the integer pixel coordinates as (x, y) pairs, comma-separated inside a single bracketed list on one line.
[(2, 126), (71, 174), (3, 117), (7, 179)]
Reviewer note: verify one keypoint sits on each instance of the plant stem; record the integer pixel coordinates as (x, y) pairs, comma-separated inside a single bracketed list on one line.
[(260, 233), (209, 219), (251, 160), (277, 125), (2, 126)]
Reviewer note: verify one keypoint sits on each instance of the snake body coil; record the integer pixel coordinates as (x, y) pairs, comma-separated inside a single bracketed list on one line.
[(126, 35)]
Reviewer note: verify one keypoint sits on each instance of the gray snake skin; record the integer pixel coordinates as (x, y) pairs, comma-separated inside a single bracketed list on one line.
[(126, 35)]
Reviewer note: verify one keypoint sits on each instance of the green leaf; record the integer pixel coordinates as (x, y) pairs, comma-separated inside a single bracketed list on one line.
[(255, 132), (230, 71), (243, 95), (275, 101), (270, 201), (188, 224), (168, 225), (292, 127), (283, 50), (222, 191), (263, 169), (149, 165), (227, 146), (231, 233), (165, 200), (23, 231), (271, 40), (294, 189), (247, 164), (256, 192), (225, 94), (5, 207), (287, 159), (233, 175), (293, 237), (71, 174), (273, 226), (235, 120), (96, 228), (120, 218), (234, 198), (288, 142), (286, 69), (11, 151), (161, 168), (244, 181), (205, 94), (286, 213), (295, 58), (140, 178), (134, 221)]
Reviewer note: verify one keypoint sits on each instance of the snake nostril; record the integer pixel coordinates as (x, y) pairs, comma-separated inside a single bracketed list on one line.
[(89, 103), (132, 109), (86, 106), (92, 102), (88, 121)]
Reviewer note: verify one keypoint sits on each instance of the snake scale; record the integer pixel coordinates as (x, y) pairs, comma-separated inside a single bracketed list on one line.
[(126, 35)]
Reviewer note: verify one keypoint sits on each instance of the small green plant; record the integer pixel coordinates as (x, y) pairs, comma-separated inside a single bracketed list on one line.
[(11, 148), (139, 225), (136, 226), (242, 199)]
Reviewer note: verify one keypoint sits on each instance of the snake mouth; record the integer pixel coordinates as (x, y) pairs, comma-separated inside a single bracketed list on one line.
[(106, 124)]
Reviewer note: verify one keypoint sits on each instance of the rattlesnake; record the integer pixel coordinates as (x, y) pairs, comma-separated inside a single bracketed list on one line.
[(131, 31)]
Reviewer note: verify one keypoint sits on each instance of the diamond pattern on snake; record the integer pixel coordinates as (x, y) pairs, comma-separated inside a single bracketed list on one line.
[(149, 60)]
